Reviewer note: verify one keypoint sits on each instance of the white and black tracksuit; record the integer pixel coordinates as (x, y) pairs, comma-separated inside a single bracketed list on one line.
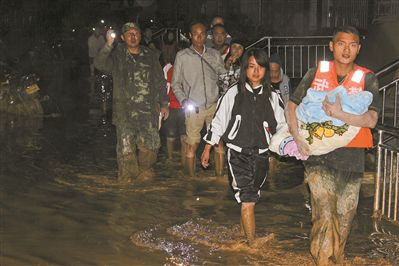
[(246, 123)]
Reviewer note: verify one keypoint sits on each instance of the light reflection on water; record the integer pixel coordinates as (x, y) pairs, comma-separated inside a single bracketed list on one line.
[(60, 204)]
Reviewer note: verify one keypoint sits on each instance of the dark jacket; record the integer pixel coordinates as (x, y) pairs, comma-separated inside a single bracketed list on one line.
[(246, 121)]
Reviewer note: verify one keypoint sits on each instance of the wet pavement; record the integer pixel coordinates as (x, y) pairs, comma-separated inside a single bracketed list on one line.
[(61, 205)]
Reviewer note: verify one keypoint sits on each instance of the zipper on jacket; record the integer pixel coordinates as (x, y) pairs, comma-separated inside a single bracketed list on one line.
[(253, 117)]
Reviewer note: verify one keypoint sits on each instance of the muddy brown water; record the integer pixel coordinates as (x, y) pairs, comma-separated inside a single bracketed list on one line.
[(61, 205)]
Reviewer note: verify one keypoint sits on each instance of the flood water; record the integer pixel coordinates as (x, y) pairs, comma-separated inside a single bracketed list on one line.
[(61, 205)]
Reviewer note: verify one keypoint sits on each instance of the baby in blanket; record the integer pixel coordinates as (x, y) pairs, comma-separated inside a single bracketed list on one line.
[(322, 132)]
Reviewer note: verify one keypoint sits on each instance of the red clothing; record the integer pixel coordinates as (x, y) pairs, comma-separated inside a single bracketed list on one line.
[(168, 72), (326, 80)]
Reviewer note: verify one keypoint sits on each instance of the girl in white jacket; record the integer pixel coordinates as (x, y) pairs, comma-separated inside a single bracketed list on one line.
[(246, 118)]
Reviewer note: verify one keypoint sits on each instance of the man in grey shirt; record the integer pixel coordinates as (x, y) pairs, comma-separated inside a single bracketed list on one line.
[(194, 84)]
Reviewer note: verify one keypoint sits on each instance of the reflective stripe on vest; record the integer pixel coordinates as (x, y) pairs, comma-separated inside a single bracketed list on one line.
[(326, 80)]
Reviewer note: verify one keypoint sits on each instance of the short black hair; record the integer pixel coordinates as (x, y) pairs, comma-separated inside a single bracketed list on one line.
[(195, 22), (217, 16), (346, 29), (219, 26)]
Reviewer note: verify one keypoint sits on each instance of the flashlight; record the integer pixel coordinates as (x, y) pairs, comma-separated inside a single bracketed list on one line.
[(190, 107), (113, 35)]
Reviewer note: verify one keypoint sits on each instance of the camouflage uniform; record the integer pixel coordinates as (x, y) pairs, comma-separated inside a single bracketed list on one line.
[(139, 91)]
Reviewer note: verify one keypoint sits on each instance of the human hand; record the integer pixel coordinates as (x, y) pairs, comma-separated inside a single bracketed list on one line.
[(110, 36), (164, 112), (332, 109), (205, 156), (291, 149), (185, 103), (303, 146), (232, 59)]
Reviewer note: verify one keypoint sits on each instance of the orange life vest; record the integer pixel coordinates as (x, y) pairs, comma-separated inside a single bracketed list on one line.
[(326, 80)]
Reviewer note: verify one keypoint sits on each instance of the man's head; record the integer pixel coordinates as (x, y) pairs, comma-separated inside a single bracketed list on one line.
[(219, 34), (148, 33), (97, 31), (275, 68), (217, 20), (198, 34), (131, 34), (236, 48), (170, 36), (345, 44), (346, 29)]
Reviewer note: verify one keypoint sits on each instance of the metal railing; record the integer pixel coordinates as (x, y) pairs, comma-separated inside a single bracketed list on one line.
[(386, 194), (386, 8), (297, 54), (387, 178), (160, 34)]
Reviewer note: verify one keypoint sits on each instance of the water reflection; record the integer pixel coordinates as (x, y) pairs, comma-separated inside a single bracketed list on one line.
[(61, 204)]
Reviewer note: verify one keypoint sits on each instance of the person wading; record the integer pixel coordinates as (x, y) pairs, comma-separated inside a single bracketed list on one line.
[(247, 116), (334, 179), (194, 83), (139, 96)]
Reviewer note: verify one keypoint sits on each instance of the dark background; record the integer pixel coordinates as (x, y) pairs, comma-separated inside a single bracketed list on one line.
[(24, 23), (49, 37)]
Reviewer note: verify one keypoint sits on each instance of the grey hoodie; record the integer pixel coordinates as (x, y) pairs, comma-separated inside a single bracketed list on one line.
[(195, 76)]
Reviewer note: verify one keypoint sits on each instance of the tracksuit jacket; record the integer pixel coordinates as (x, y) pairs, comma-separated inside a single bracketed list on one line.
[(246, 121)]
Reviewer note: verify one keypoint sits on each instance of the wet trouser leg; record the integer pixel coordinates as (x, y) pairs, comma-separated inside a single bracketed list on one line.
[(334, 198), (194, 123), (347, 205), (170, 143), (172, 129), (128, 167), (146, 157)]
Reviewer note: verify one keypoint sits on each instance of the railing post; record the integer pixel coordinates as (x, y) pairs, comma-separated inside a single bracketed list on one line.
[(269, 47), (378, 175)]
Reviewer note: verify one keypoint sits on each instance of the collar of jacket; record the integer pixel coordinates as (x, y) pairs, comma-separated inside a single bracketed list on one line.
[(195, 51), (249, 88), (143, 50)]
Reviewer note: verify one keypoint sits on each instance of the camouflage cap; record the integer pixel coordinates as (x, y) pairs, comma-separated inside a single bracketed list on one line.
[(130, 25)]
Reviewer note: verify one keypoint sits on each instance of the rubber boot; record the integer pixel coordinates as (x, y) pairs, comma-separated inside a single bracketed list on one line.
[(248, 221), (127, 168), (219, 163), (189, 166), (146, 159), (170, 144), (183, 150)]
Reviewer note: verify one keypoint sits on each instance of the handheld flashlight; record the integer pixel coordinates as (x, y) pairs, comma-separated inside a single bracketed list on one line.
[(113, 35), (190, 107)]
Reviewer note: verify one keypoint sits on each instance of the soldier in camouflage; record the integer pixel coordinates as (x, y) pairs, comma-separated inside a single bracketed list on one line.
[(139, 97)]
